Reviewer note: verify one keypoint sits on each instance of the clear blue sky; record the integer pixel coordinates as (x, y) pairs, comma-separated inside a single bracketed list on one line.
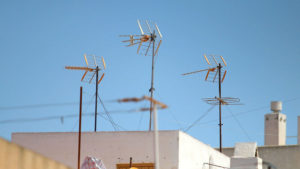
[(259, 40)]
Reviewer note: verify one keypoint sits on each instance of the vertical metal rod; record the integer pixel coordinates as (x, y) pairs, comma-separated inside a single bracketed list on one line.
[(152, 79), (156, 138), (97, 70), (220, 106), (130, 163), (79, 131)]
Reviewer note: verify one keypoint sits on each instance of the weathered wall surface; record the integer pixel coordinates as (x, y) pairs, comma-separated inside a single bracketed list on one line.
[(283, 157), (13, 156), (275, 129), (194, 154), (111, 147), (246, 163)]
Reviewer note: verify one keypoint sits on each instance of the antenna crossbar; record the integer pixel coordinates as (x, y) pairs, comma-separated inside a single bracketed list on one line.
[(210, 69)]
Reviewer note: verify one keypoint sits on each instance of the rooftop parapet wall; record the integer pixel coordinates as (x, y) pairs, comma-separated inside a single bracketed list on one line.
[(285, 157), (13, 156), (111, 147)]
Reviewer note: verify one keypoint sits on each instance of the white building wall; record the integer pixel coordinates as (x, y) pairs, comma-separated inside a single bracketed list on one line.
[(193, 154), (177, 149), (246, 163), (283, 157), (112, 147)]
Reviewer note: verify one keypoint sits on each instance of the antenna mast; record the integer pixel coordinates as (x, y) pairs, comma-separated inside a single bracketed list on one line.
[(220, 107)]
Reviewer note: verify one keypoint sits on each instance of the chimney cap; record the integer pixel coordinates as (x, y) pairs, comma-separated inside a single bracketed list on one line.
[(276, 106)]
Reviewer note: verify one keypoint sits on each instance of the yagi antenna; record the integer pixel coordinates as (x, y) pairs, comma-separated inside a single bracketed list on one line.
[(91, 70), (146, 39), (145, 42), (212, 72)]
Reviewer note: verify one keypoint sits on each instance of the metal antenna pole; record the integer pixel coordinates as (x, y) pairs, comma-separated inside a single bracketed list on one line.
[(130, 162), (156, 138), (220, 106), (79, 134), (97, 70), (152, 79)]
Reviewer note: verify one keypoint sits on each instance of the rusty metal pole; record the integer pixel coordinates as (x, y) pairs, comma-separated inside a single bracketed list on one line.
[(220, 106), (152, 79), (130, 162), (96, 98), (79, 132)]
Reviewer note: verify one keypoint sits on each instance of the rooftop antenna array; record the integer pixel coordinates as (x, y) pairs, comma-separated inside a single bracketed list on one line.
[(147, 40), (215, 74), (94, 64)]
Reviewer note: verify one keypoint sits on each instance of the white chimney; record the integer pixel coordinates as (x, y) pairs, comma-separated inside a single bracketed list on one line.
[(275, 125)]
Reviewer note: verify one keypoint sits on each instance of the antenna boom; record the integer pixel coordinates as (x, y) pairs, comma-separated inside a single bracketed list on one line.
[(79, 68)]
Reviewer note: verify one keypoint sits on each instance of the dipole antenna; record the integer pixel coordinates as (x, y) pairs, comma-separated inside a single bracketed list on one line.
[(215, 74), (94, 64), (149, 38)]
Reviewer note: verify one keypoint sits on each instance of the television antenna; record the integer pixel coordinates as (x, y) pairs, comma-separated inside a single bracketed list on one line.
[(149, 38), (216, 74), (94, 64), (155, 104)]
